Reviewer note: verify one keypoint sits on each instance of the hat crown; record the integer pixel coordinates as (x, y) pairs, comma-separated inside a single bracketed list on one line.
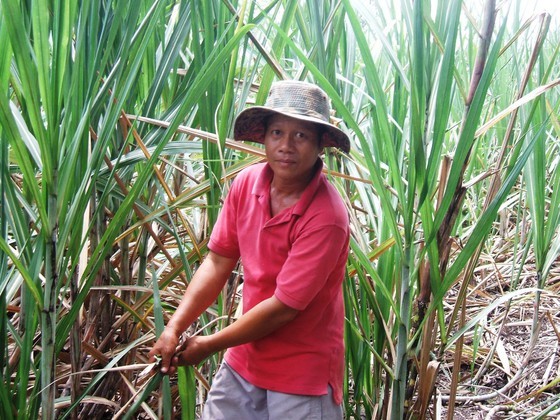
[(301, 98), (296, 99)]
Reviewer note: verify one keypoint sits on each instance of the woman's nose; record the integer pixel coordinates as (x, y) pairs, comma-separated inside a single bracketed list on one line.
[(286, 142)]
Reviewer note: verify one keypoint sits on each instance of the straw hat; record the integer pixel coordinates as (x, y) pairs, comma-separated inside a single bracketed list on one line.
[(295, 99)]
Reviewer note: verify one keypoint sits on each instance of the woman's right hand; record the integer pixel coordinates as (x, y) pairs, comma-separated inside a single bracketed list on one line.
[(166, 347)]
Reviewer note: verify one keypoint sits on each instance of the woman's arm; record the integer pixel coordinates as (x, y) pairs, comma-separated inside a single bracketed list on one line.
[(202, 291), (258, 322)]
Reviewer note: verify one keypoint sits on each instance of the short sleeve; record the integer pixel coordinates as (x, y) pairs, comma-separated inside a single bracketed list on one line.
[(224, 239), (314, 256)]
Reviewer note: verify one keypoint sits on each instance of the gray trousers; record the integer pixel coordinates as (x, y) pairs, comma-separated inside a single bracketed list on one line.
[(233, 398)]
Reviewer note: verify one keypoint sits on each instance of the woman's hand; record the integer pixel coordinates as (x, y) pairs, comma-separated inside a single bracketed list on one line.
[(197, 349), (166, 347)]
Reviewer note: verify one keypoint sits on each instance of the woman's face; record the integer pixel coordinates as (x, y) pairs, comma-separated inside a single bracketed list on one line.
[(292, 148)]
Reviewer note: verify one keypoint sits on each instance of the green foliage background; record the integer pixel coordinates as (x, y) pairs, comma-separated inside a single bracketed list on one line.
[(115, 119)]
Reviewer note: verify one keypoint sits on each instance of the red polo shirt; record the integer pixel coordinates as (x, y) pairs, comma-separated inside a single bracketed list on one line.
[(300, 257)]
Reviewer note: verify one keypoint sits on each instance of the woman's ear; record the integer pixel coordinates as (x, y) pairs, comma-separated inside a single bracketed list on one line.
[(323, 138)]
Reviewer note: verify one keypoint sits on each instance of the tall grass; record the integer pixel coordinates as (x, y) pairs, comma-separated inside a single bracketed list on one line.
[(114, 157)]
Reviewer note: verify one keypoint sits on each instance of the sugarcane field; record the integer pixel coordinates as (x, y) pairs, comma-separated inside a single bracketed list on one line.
[(349, 201)]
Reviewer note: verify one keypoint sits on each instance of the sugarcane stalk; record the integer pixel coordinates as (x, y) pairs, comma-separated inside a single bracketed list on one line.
[(48, 315)]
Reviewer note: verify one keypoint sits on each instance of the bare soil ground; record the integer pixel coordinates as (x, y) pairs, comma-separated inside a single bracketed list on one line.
[(510, 363)]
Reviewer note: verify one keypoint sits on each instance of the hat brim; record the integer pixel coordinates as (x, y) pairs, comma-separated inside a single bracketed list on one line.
[(250, 125)]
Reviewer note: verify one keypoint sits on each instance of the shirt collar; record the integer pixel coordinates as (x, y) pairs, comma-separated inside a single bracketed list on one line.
[(262, 186), (309, 192)]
